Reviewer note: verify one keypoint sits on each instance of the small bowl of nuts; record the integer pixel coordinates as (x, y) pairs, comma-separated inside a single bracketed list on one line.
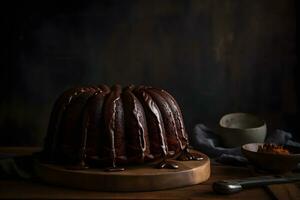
[(272, 158)]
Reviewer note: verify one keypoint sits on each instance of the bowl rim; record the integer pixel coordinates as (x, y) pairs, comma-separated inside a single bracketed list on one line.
[(262, 121)]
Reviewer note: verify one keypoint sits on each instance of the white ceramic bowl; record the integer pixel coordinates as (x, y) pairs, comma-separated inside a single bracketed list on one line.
[(237, 129)]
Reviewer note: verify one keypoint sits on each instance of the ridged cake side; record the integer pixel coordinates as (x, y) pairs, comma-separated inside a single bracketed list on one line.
[(105, 126)]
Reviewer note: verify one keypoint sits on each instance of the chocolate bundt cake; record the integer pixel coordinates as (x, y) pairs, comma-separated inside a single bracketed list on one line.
[(102, 126)]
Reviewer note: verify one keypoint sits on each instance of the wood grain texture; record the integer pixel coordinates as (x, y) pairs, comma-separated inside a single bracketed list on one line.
[(134, 178), (285, 191), (20, 189)]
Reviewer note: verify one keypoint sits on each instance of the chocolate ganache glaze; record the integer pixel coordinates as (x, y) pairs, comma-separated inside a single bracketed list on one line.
[(99, 126)]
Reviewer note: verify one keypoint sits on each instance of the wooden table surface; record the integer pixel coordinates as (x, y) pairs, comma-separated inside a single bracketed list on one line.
[(26, 189)]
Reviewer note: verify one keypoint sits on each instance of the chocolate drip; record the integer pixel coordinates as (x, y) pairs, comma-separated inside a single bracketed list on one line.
[(165, 164), (157, 136), (136, 127), (174, 142), (177, 116), (55, 120), (187, 155), (69, 141), (91, 132), (82, 150), (114, 127)]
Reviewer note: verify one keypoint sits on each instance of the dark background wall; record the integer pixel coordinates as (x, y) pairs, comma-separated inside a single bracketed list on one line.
[(214, 56)]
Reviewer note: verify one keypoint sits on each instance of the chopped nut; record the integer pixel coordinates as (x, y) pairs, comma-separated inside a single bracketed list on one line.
[(272, 148)]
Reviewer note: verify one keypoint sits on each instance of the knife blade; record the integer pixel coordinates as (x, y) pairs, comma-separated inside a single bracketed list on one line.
[(237, 185)]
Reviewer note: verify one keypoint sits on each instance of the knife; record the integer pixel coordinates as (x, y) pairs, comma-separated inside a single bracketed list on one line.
[(237, 185)]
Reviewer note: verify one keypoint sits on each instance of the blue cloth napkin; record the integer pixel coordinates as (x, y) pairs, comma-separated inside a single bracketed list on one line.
[(15, 167), (207, 141)]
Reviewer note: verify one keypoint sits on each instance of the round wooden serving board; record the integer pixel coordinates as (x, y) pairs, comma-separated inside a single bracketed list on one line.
[(134, 178)]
